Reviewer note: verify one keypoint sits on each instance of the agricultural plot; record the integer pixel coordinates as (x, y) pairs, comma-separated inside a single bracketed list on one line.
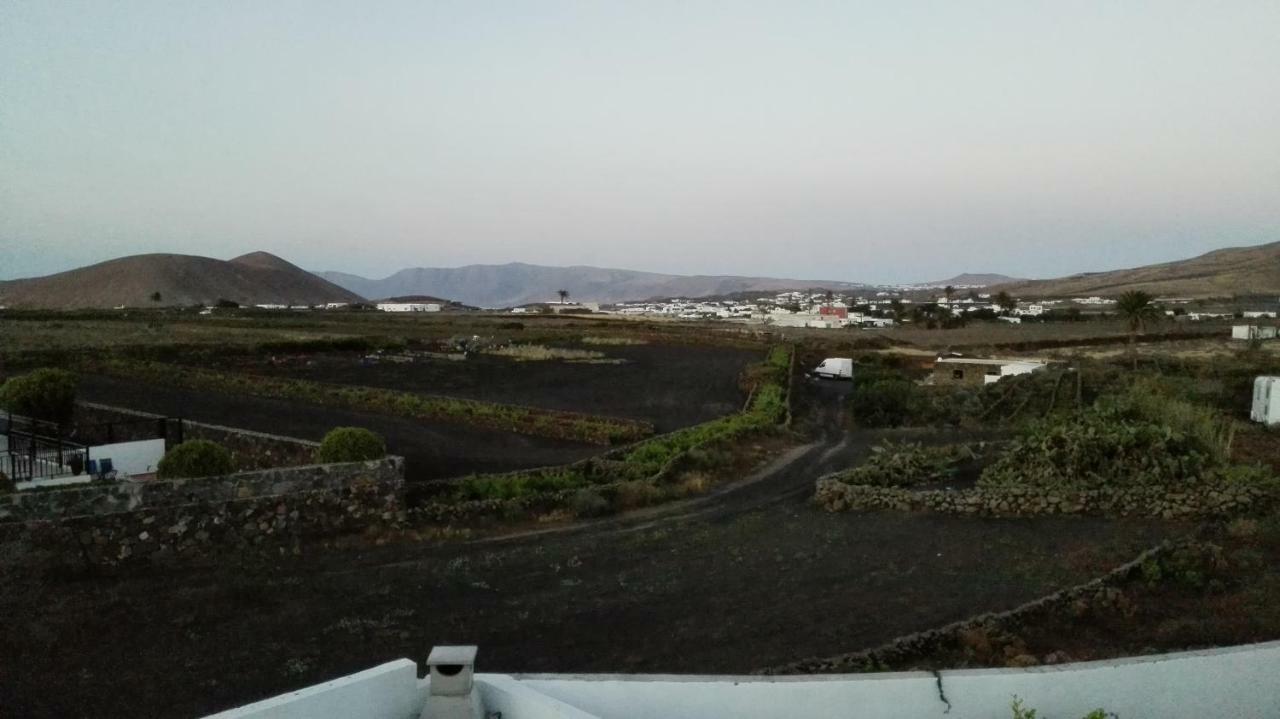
[(431, 450), (668, 386), (671, 387)]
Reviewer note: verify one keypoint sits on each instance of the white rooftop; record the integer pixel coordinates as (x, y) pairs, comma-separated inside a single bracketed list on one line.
[(1241, 681)]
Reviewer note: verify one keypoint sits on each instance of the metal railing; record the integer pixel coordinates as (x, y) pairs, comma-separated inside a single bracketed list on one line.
[(27, 457)]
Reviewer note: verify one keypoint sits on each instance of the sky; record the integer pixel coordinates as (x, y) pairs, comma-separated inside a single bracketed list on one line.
[(856, 141)]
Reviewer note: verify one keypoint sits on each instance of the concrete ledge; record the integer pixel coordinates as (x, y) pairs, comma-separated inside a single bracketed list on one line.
[(1241, 681), (387, 691)]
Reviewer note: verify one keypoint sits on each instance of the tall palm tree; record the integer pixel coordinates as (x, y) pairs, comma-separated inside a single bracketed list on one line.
[(1136, 309), (564, 295), (950, 292)]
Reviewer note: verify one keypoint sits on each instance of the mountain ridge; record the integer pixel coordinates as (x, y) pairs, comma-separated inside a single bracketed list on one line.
[(1224, 272), (131, 281)]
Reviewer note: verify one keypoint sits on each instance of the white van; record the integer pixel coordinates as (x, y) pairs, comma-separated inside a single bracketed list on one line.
[(835, 368)]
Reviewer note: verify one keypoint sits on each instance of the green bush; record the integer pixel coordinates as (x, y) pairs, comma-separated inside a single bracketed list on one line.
[(195, 458), (1102, 447), (48, 394), (885, 400), (350, 444)]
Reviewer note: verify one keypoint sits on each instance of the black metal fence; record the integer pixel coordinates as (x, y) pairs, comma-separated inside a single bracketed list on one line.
[(29, 457), (35, 449)]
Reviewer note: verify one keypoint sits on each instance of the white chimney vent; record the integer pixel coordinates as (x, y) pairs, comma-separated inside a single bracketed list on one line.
[(452, 694)]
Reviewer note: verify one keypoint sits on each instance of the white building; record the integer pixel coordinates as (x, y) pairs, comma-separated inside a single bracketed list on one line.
[(409, 306), (1252, 332)]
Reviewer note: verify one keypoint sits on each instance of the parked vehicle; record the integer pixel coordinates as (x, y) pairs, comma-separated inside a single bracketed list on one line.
[(835, 368)]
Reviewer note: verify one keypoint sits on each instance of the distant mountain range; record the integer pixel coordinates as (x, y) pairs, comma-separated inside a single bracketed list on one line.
[(970, 279), (516, 284), (255, 278), (1221, 273), (262, 278)]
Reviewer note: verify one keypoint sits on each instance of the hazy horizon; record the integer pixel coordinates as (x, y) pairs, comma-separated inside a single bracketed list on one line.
[(855, 142)]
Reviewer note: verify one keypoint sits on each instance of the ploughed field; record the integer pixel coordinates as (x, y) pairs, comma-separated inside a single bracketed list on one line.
[(669, 386), (719, 593)]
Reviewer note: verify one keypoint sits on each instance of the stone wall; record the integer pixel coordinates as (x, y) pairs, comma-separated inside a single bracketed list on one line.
[(1165, 502), (1101, 592), (268, 512)]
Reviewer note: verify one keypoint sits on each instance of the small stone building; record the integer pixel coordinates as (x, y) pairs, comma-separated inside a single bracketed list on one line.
[(974, 371)]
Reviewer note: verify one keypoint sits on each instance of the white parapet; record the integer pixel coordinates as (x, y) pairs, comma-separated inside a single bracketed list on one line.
[(1239, 681)]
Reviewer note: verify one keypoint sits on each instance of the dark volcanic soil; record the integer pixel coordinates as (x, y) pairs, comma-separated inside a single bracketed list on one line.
[(670, 386), (740, 580), (431, 449)]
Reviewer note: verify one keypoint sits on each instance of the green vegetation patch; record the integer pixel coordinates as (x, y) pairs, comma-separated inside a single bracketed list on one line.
[(908, 463), (1142, 438), (350, 444), (47, 394), (195, 458)]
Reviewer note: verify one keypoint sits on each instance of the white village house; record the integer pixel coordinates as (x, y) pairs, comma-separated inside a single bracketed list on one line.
[(409, 306)]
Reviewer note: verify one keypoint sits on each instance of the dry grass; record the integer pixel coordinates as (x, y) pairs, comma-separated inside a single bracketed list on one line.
[(542, 353), (613, 341)]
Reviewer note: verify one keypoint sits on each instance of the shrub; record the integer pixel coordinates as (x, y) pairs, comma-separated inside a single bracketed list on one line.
[(906, 464), (588, 503), (195, 458), (6, 484), (885, 401), (350, 444), (1102, 447), (47, 394)]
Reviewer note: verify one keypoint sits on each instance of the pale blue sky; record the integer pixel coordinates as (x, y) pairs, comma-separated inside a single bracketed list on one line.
[(877, 141)]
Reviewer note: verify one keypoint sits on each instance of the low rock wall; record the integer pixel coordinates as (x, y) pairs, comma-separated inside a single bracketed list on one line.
[(270, 512), (1164, 502), (1100, 592)]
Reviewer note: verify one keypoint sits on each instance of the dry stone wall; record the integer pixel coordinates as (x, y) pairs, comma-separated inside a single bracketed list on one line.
[(1101, 592), (1165, 502), (263, 513)]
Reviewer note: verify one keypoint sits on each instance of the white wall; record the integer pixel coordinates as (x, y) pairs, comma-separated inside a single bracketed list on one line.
[(140, 457), (387, 691), (1232, 682)]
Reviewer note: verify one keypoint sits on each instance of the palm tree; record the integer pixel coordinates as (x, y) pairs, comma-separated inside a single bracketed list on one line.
[(950, 292), (564, 295), (1136, 309), (1006, 302)]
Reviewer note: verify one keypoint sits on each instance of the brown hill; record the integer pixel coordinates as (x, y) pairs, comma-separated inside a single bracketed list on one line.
[(256, 278), (1221, 273)]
